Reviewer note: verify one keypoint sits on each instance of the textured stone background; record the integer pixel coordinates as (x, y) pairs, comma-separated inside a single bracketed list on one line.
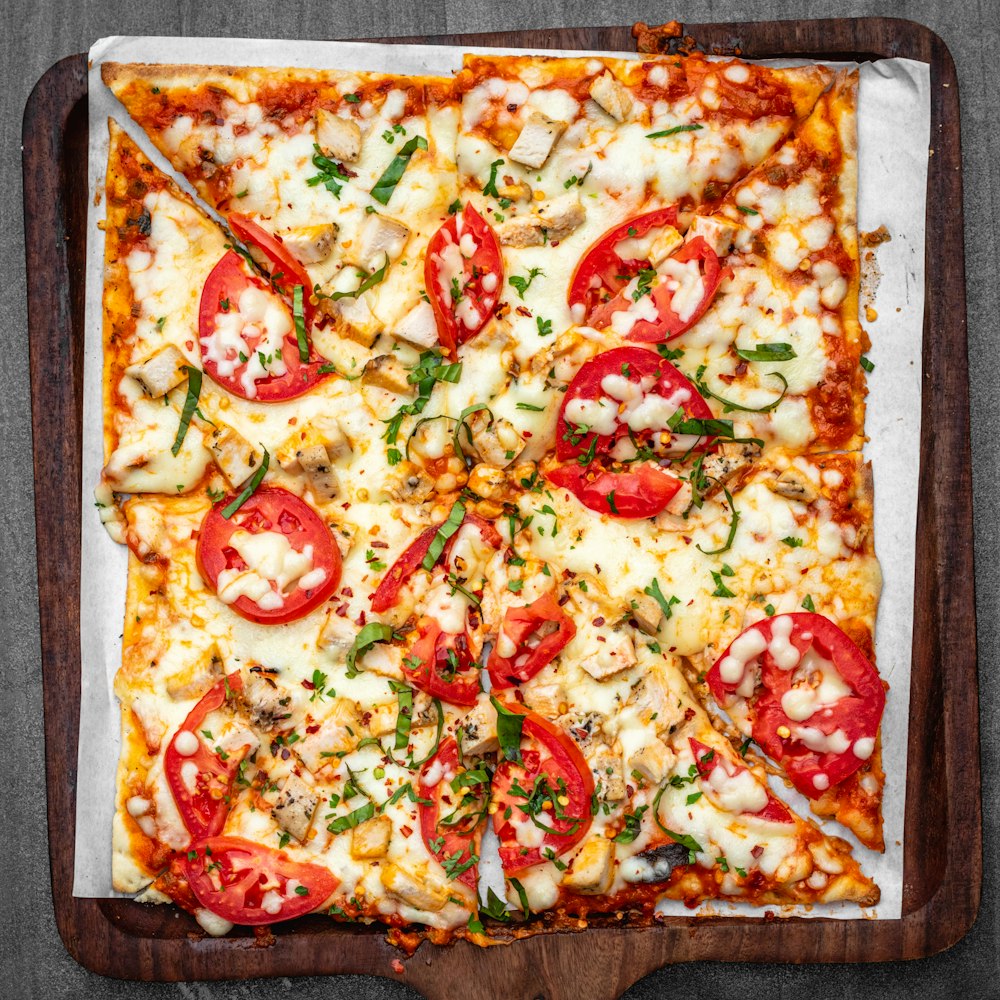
[(35, 34)]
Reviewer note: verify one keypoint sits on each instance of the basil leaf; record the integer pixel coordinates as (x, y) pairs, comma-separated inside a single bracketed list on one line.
[(249, 489), (300, 324), (404, 698), (386, 184), (868, 366), (371, 634), (190, 405), (491, 184), (456, 439), (373, 279), (767, 352), (673, 131), (522, 896), (509, 726), (653, 590), (732, 530), (684, 839), (495, 906), (352, 819), (450, 526), (633, 826), (729, 405), (437, 737)]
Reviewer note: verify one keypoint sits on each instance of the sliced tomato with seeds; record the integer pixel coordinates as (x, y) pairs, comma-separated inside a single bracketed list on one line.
[(641, 491), (201, 779), (249, 884), (463, 275), (273, 561), (452, 804), (693, 287), (538, 632), (442, 665), (603, 272), (709, 761), (807, 694), (632, 393), (548, 793), (246, 331), (285, 269), (387, 593)]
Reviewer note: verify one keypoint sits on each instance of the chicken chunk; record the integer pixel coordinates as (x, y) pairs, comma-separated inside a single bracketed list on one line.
[(382, 237), (536, 140), (235, 456), (653, 761), (717, 231), (551, 224), (415, 887), (339, 138), (606, 766), (664, 244), (418, 326), (497, 442), (591, 870), (731, 458), (370, 840), (295, 807), (614, 656), (794, 484), (646, 611), (315, 462), (410, 484), (268, 702), (311, 244), (387, 373), (337, 732), (612, 96), (160, 372), (480, 729)]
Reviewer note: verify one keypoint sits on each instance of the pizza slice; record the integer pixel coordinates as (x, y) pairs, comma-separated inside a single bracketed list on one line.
[(580, 165), (348, 174), (780, 348)]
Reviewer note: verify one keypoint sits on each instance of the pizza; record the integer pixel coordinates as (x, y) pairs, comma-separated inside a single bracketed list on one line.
[(493, 487)]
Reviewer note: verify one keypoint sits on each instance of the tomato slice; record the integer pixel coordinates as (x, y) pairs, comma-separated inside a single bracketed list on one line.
[(387, 593), (667, 322), (200, 781), (643, 491), (247, 336), (708, 762), (452, 823), (801, 675), (463, 274), (247, 883), (273, 561), (539, 631), (441, 664), (552, 768), (636, 392), (286, 271), (602, 272)]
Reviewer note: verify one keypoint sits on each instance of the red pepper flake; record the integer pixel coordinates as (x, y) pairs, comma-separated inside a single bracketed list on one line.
[(360, 620), (312, 729), (347, 591), (376, 544), (397, 966), (342, 611), (597, 623), (563, 600), (405, 830), (309, 686), (523, 311)]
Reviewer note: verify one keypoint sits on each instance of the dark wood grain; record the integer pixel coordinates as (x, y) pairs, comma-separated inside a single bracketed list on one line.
[(943, 850)]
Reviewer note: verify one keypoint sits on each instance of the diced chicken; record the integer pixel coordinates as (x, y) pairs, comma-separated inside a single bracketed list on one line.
[(325, 431), (370, 840), (380, 720), (352, 315), (563, 215), (546, 699), (590, 872), (337, 635), (497, 442), (410, 484), (195, 680), (521, 231), (311, 244), (160, 372), (646, 611), (731, 458), (536, 139), (653, 761), (339, 138), (614, 656), (268, 702), (717, 231), (611, 95), (794, 484), (235, 456), (488, 481), (295, 807), (384, 660), (664, 244), (514, 190), (381, 237), (315, 463), (480, 729), (418, 326), (681, 500), (338, 732), (387, 373), (655, 701), (606, 766), (415, 887), (424, 711), (566, 355)]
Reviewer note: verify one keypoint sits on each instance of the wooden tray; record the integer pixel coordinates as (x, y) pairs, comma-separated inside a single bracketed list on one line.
[(943, 849)]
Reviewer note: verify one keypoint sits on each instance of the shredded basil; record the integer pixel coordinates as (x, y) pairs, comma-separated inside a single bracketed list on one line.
[(249, 489), (509, 726), (522, 897), (491, 184), (633, 826), (437, 738), (371, 634), (495, 906), (404, 698), (684, 839), (330, 173), (767, 352), (352, 819), (386, 184), (450, 526), (729, 405), (190, 405), (370, 281), (457, 436), (653, 590), (300, 324), (673, 131), (732, 529)]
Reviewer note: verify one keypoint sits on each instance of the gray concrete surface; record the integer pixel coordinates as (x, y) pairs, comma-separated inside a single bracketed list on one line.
[(35, 33)]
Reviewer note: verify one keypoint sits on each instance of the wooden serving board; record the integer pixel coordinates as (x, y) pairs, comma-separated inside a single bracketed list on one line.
[(943, 849)]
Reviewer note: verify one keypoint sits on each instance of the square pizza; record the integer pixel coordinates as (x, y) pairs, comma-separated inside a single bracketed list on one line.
[(488, 452)]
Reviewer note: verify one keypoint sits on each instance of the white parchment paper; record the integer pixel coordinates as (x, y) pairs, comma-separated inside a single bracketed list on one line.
[(894, 133)]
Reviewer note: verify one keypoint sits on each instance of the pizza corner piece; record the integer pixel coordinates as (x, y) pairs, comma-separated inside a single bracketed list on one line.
[(495, 465)]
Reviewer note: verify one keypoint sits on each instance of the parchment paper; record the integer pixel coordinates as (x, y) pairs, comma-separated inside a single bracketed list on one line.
[(894, 132)]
